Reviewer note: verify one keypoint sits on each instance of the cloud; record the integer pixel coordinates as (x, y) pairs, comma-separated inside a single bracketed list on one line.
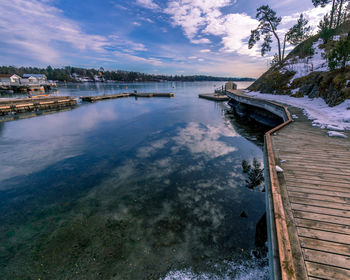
[(149, 4), (204, 140), (192, 15), (203, 18), (34, 27), (205, 51), (131, 57), (313, 15)]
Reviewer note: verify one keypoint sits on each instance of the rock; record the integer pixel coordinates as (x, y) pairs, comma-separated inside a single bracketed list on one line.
[(314, 92), (244, 215)]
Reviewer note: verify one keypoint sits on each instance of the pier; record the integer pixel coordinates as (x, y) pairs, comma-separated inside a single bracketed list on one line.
[(307, 180), (121, 95), (10, 106), (214, 97)]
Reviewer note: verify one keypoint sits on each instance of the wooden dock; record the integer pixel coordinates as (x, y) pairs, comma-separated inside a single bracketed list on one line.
[(121, 95), (10, 106), (214, 97), (310, 198)]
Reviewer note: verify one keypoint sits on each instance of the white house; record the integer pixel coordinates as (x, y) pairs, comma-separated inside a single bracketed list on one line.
[(9, 78), (34, 78)]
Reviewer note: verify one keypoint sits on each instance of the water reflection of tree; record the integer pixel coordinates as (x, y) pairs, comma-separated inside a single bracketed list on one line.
[(254, 172)]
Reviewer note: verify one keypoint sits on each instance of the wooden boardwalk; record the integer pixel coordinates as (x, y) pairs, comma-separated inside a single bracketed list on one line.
[(311, 199)]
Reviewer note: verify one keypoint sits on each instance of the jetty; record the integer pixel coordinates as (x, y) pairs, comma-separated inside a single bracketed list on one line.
[(214, 96), (121, 95), (307, 181), (10, 106)]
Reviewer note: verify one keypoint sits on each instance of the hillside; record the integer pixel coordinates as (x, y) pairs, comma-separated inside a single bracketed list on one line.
[(305, 72)]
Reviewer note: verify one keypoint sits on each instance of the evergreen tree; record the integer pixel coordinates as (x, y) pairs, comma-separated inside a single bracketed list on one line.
[(340, 55), (337, 13), (268, 24), (299, 32)]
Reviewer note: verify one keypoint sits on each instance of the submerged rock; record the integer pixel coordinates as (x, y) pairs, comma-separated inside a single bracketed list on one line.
[(243, 215)]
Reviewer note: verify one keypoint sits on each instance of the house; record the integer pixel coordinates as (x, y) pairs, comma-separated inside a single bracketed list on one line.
[(9, 78), (99, 78), (34, 78)]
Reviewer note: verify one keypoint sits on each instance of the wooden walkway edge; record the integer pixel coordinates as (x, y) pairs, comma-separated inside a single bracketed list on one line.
[(311, 197)]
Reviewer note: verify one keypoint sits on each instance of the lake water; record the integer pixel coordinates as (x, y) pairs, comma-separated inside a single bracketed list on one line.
[(147, 188)]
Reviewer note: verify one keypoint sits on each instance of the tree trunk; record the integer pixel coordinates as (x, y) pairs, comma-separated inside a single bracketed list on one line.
[(278, 43), (332, 15), (339, 12), (284, 46)]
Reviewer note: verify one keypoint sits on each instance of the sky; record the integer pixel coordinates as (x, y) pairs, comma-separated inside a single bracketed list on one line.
[(178, 37)]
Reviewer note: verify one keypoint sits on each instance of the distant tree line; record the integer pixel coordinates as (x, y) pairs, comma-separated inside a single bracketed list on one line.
[(66, 74)]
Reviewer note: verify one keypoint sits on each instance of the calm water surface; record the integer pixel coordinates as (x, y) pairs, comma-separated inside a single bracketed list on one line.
[(130, 189)]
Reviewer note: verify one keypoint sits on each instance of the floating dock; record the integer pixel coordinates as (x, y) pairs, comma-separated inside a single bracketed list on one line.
[(121, 95), (103, 97), (10, 106), (308, 200), (214, 97)]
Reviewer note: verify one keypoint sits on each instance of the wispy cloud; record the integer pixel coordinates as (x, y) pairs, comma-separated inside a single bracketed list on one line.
[(204, 18), (32, 27), (149, 4)]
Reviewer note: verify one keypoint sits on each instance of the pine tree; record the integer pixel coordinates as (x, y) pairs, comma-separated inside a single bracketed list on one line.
[(268, 24), (299, 32), (340, 55), (336, 13)]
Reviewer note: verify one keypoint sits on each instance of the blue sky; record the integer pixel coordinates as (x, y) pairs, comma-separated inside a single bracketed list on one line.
[(153, 36)]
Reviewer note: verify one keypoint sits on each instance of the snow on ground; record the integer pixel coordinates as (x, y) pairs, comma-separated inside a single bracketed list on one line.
[(336, 134), (333, 118), (304, 66)]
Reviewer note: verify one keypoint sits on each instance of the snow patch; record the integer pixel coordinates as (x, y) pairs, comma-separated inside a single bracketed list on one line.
[(279, 169), (336, 134), (294, 91), (304, 66), (316, 109)]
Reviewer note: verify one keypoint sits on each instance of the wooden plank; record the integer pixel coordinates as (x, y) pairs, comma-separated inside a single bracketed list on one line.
[(326, 204), (324, 235), (327, 272), (321, 217), (316, 166), (317, 181), (326, 246), (303, 174), (301, 158), (314, 191), (325, 226), (299, 151), (321, 197), (321, 187), (327, 258), (321, 210), (324, 169)]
